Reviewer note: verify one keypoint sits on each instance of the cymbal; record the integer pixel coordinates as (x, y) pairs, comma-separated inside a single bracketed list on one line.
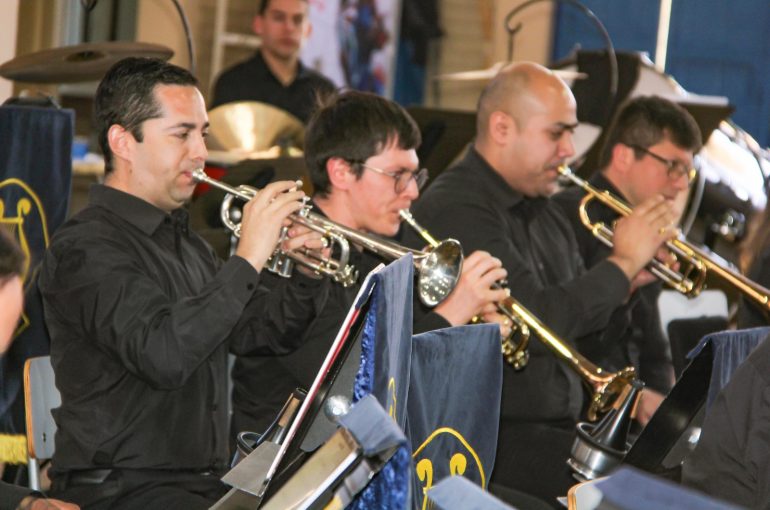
[(248, 128), (490, 72), (82, 62)]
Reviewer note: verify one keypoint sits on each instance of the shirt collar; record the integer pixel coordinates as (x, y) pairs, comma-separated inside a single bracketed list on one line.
[(302, 71), (143, 215), (600, 182), (500, 191)]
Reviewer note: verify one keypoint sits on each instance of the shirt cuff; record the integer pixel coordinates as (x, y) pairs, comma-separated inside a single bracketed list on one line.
[(239, 276), (613, 282)]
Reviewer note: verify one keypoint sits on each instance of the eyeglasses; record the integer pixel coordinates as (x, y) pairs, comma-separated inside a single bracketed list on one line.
[(676, 169), (402, 178)]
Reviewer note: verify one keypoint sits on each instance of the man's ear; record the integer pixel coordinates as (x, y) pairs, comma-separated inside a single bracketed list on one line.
[(500, 126), (256, 24), (340, 173), (121, 142), (623, 157)]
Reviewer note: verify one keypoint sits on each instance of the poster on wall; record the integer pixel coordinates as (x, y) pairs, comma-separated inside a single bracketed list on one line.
[(353, 42)]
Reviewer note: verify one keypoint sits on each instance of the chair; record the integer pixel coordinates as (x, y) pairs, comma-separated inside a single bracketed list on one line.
[(685, 321), (40, 396)]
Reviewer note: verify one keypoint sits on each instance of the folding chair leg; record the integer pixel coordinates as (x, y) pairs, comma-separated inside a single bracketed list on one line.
[(33, 469)]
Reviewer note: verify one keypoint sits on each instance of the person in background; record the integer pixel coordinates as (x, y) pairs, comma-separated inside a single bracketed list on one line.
[(275, 74), (14, 497)]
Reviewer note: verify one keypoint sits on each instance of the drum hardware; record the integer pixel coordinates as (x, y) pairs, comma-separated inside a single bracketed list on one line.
[(696, 261), (79, 63), (438, 267), (600, 447)]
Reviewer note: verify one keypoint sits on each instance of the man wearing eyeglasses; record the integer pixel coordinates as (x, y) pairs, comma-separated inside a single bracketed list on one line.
[(360, 150), (648, 151)]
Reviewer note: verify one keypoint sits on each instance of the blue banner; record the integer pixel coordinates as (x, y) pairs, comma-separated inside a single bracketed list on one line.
[(35, 182), (453, 410), (442, 388)]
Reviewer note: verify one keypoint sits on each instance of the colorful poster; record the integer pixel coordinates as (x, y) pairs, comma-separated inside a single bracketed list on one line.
[(353, 42)]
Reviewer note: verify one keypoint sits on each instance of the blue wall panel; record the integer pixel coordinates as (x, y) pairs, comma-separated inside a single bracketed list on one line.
[(716, 47)]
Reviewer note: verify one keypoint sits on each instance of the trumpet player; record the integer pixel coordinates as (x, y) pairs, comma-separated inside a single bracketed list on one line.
[(142, 314), (497, 199), (648, 152), (360, 150)]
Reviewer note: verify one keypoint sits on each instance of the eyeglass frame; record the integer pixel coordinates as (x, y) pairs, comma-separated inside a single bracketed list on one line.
[(672, 166), (420, 176)]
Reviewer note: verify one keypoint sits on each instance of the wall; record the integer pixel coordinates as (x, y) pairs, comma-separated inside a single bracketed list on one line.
[(476, 39), (8, 24)]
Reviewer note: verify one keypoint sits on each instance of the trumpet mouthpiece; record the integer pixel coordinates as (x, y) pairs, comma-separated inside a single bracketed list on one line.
[(199, 174)]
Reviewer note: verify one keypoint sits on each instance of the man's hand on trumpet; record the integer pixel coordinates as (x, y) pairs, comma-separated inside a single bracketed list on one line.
[(264, 218), (474, 294), (639, 236)]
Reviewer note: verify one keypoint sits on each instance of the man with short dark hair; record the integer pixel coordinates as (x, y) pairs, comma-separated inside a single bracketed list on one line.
[(275, 74), (142, 313), (649, 151), (360, 150), (497, 199)]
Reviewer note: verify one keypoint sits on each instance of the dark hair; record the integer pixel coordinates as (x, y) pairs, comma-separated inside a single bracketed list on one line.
[(11, 257), (645, 121), (126, 96), (354, 126), (263, 4)]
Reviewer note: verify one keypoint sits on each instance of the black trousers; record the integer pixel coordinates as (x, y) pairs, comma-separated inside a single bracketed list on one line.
[(531, 458), (124, 489)]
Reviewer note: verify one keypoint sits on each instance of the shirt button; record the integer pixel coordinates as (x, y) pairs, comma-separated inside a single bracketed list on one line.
[(214, 407), (250, 286)]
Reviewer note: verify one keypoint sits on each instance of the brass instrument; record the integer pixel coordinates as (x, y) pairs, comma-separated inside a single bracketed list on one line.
[(438, 268), (696, 261), (606, 387)]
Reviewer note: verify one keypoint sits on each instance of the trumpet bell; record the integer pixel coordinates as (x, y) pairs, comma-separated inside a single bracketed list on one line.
[(438, 272)]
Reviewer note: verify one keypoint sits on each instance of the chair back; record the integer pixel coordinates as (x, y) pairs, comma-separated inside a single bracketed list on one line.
[(40, 396)]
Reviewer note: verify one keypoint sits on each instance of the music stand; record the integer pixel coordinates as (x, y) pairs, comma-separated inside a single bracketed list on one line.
[(263, 472), (445, 134)]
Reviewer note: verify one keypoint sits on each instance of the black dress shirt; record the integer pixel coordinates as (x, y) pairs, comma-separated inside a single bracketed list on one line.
[(473, 204), (634, 336), (252, 80), (732, 459), (261, 384), (141, 315)]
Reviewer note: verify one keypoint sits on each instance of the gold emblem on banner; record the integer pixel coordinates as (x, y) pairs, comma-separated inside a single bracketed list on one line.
[(457, 463), (17, 226)]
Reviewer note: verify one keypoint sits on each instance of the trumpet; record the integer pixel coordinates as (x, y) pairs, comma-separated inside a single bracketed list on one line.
[(607, 387), (696, 261), (438, 268)]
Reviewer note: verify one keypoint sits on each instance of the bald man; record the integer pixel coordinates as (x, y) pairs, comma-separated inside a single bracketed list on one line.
[(497, 199)]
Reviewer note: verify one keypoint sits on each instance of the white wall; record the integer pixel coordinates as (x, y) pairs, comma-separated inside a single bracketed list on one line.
[(8, 24)]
